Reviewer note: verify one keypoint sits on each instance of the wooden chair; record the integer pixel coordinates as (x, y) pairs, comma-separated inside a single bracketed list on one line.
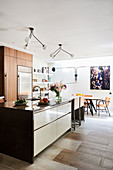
[(87, 102), (103, 105), (79, 94)]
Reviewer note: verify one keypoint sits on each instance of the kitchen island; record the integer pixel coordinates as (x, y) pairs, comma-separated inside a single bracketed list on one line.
[(26, 131)]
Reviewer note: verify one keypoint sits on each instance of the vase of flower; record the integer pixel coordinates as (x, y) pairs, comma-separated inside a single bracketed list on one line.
[(58, 98), (57, 88)]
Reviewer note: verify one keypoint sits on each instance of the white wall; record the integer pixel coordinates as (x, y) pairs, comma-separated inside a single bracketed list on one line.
[(83, 82), (38, 62)]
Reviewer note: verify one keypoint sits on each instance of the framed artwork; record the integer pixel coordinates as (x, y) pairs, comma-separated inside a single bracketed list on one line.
[(100, 78)]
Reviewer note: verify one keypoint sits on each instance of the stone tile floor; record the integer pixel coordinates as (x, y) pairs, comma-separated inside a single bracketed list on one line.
[(89, 147)]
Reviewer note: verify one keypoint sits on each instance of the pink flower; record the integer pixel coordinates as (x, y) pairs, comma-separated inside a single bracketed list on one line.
[(59, 89), (63, 88), (57, 85)]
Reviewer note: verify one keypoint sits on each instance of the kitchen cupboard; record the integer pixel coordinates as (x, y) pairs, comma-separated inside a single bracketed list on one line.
[(44, 137), (24, 59), (9, 60), (10, 75), (21, 62), (50, 124), (9, 52), (28, 64), (64, 123)]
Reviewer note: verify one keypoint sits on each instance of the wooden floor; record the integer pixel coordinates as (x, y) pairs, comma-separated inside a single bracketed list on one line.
[(89, 147), (95, 151)]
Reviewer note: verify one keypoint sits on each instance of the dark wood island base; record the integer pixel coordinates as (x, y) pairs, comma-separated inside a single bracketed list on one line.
[(16, 133)]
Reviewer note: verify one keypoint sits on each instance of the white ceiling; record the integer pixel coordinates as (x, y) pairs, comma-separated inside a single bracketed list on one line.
[(84, 27)]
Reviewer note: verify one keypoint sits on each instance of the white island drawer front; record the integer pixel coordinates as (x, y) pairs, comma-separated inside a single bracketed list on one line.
[(44, 117), (81, 101), (76, 103), (63, 109), (43, 137), (64, 124)]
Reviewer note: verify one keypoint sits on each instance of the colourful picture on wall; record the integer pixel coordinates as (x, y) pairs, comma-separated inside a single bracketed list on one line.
[(100, 78)]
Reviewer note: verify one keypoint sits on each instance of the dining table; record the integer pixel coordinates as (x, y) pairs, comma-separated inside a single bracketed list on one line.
[(91, 104)]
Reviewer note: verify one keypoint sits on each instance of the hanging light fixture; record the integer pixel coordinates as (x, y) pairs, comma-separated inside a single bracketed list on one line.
[(53, 55), (27, 39)]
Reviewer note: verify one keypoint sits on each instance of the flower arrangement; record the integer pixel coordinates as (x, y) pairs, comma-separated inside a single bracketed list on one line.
[(57, 88)]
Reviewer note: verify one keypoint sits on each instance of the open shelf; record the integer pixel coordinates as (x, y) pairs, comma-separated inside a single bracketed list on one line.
[(46, 74), (42, 78), (35, 92), (35, 83)]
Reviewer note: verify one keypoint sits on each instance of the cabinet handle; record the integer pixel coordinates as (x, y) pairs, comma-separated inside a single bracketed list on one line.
[(6, 87), (18, 87)]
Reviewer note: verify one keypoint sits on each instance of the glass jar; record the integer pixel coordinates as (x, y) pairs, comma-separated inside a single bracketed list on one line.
[(58, 99)]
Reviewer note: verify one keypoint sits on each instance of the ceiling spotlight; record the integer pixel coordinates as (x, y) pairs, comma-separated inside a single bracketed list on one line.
[(72, 55), (27, 39), (26, 46), (53, 55), (44, 47)]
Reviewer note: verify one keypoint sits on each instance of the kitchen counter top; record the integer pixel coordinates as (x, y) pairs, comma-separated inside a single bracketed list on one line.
[(33, 105)]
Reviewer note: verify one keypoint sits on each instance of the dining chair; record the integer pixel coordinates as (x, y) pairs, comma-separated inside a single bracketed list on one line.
[(87, 102), (79, 94), (102, 105)]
